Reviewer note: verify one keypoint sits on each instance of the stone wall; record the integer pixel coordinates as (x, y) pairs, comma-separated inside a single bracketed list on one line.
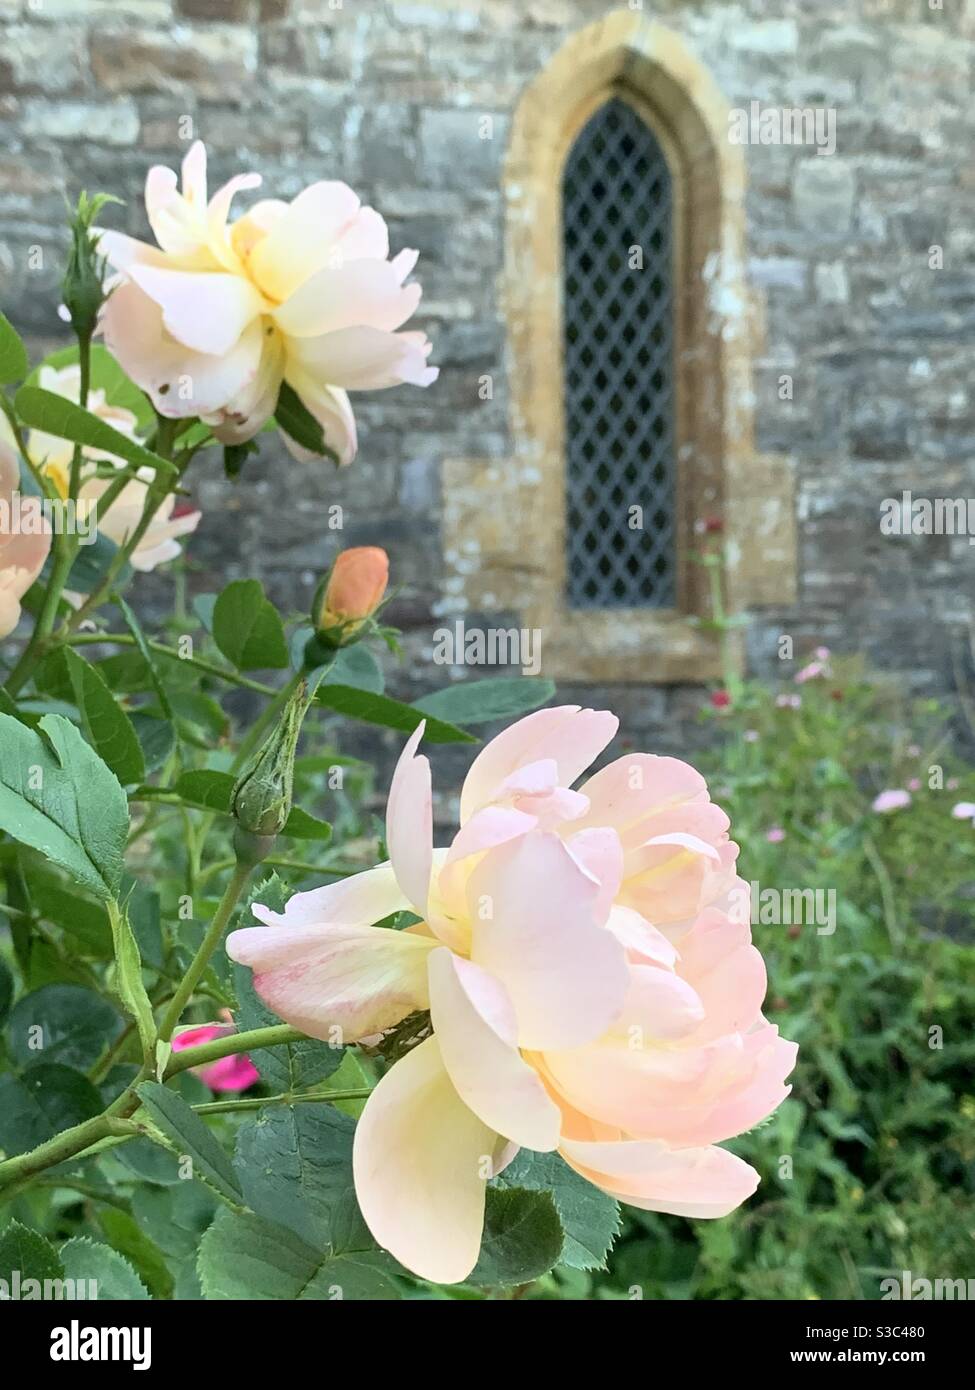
[(387, 94)]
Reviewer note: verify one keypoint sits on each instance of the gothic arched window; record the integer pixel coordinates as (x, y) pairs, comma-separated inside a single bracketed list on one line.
[(617, 314), (631, 330)]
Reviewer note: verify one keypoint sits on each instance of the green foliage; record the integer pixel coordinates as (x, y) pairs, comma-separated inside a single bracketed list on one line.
[(13, 354), (58, 797), (191, 1138), (247, 629), (522, 1237), (85, 1259), (479, 702), (55, 414)]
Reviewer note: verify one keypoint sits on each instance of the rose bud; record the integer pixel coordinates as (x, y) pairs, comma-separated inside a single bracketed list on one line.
[(351, 594)]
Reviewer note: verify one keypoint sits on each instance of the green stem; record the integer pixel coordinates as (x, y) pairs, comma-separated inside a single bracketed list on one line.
[(156, 493), (233, 1043), (274, 861), (124, 639), (209, 944), (62, 1147), (230, 1107)]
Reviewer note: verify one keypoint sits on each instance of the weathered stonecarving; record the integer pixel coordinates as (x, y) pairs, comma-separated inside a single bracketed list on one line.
[(854, 352)]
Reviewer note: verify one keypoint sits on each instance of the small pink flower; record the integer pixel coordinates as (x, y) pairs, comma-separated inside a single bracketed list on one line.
[(892, 800), (775, 835), (808, 673), (965, 810), (788, 701), (914, 784), (234, 1073), (720, 699), (821, 654), (952, 784)]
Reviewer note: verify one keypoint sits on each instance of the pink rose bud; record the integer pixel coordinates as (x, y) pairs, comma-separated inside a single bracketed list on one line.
[(352, 593), (234, 1073)]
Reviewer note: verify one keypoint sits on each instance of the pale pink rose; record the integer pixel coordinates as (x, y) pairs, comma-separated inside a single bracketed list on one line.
[(53, 457), (775, 835), (965, 810), (590, 975), (234, 1073), (213, 321), (892, 800), (25, 534)]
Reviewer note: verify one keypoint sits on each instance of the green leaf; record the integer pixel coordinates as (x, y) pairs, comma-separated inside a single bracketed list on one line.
[(522, 1237), (54, 414), (590, 1219), (243, 1257), (247, 627), (209, 790), (92, 563), (174, 1217), (123, 1234), (293, 416), (295, 1166), (355, 666), (390, 714), (203, 606), (13, 354), (61, 1023), (85, 921), (48, 1098), (157, 738), (128, 977), (106, 375), (57, 796), (191, 1137), (235, 456), (476, 702), (89, 1260), (28, 1255), (6, 991), (158, 685), (105, 723)]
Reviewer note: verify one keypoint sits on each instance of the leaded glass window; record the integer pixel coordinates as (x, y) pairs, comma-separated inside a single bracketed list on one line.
[(619, 387)]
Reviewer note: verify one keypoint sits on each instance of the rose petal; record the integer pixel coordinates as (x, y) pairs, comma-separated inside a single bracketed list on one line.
[(476, 1028), (571, 736), (536, 929), (420, 1160), (359, 980)]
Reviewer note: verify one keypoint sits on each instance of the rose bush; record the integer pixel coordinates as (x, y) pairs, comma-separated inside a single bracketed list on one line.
[(457, 1060)]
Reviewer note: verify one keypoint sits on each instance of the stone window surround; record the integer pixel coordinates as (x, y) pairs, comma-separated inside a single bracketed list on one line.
[(503, 519)]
